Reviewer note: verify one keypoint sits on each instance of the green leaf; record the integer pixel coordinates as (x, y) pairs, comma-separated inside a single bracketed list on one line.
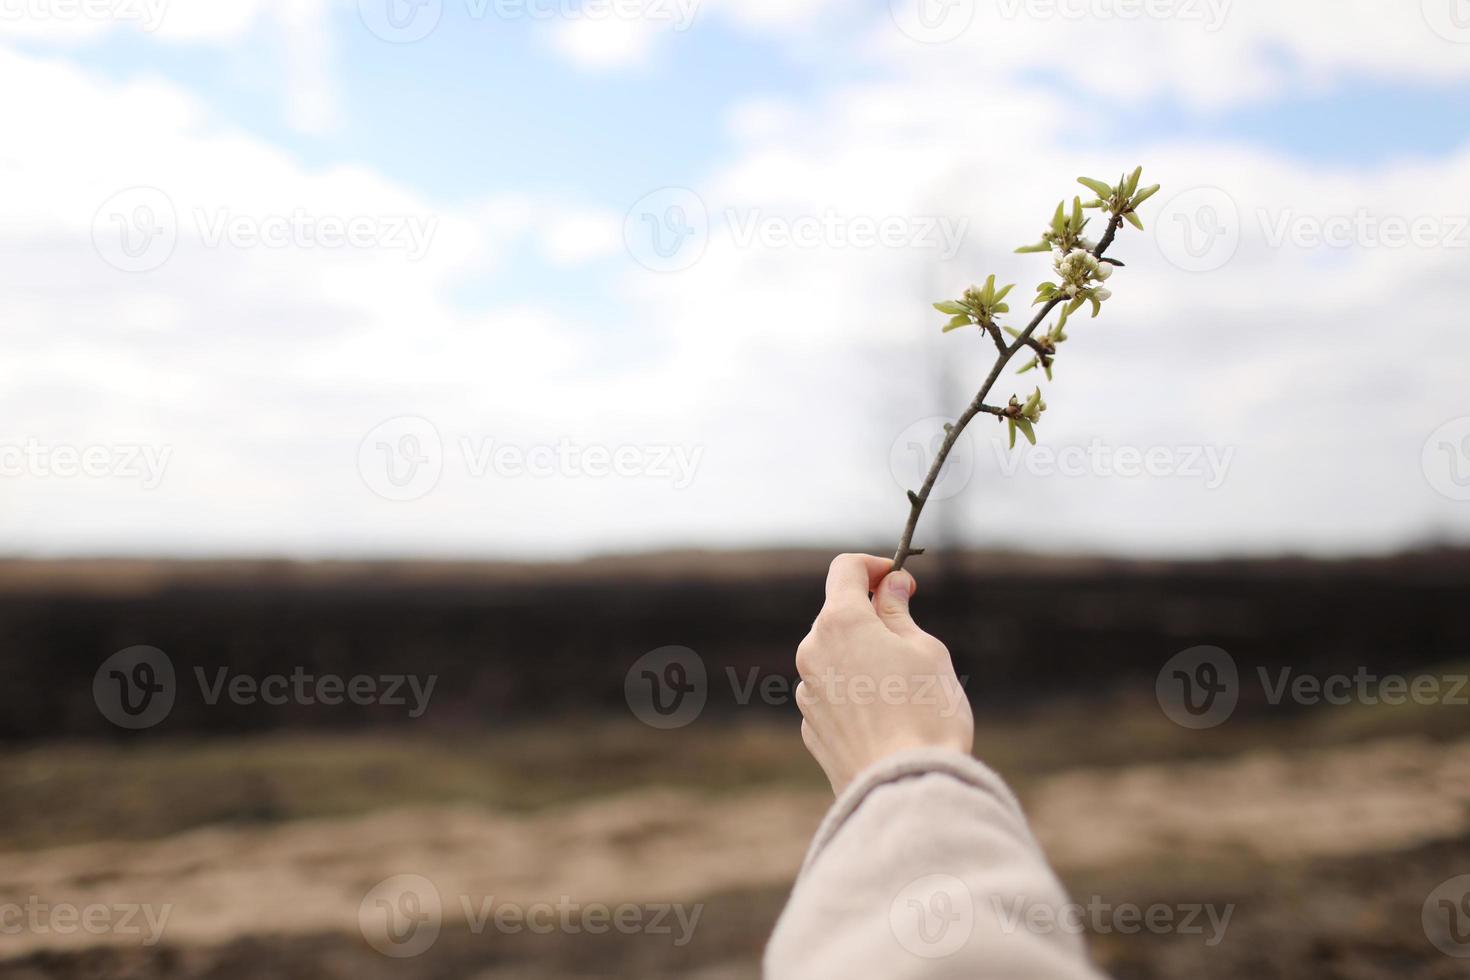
[(1032, 402), (1047, 369), (1096, 306), (1076, 304), (1096, 186), (1004, 292), (1012, 425), (1028, 367), (1012, 331), (1038, 247), (1143, 195), (949, 306), (1133, 220), (1076, 215), (956, 323), (1132, 184), (1062, 322), (1059, 220), (1026, 430), (1001, 308)]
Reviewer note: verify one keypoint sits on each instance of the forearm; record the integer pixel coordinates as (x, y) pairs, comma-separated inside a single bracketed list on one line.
[(925, 868)]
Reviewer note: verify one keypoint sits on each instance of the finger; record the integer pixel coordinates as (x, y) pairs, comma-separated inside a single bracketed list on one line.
[(891, 601), (852, 577)]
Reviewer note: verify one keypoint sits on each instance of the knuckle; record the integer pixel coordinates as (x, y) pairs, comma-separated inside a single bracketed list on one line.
[(935, 648), (839, 617), (930, 647), (808, 656)]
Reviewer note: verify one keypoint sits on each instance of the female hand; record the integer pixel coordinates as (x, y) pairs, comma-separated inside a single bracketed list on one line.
[(872, 682)]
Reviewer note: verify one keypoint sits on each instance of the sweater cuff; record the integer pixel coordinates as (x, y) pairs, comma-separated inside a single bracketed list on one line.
[(908, 765)]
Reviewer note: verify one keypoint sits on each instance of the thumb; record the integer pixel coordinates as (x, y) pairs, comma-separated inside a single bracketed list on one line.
[(892, 602)]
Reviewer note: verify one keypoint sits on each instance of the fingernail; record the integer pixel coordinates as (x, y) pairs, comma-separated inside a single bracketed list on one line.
[(899, 584)]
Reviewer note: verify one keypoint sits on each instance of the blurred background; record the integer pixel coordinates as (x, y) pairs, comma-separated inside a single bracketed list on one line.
[(425, 424)]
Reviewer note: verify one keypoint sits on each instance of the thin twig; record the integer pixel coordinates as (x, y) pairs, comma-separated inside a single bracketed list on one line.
[(977, 406)]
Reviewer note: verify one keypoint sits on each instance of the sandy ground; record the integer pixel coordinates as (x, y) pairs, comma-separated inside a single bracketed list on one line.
[(665, 846)]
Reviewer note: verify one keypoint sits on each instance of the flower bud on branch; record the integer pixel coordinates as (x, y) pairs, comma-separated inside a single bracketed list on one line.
[(1081, 268)]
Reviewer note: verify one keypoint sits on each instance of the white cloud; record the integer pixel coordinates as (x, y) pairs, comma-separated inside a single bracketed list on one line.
[(299, 32), (574, 237), (791, 368), (605, 43)]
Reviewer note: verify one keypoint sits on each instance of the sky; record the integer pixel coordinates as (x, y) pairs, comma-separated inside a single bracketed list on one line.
[(543, 279)]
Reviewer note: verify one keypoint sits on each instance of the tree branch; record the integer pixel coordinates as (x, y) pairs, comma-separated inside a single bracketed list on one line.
[(977, 406)]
